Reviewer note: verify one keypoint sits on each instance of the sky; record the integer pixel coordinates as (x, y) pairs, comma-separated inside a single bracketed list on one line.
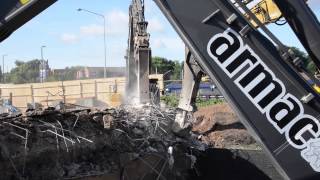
[(76, 38)]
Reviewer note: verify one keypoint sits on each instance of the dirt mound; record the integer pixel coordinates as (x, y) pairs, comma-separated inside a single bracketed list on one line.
[(230, 138), (209, 118), (221, 128)]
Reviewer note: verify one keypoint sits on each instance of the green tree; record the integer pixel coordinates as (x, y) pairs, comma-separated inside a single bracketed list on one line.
[(1, 75), (308, 64), (177, 71), (70, 73), (162, 65), (24, 72)]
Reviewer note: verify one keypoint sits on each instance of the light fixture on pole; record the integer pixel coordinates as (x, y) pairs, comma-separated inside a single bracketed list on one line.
[(104, 38), (3, 74), (41, 68)]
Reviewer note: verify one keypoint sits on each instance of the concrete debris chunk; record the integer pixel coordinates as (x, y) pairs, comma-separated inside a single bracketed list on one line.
[(108, 121), (6, 108)]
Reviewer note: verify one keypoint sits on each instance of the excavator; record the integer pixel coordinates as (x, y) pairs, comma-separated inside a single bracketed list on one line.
[(261, 78), (138, 56)]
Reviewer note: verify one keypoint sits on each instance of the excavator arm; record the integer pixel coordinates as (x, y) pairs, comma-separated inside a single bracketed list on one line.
[(273, 101), (138, 56), (15, 13), (260, 82)]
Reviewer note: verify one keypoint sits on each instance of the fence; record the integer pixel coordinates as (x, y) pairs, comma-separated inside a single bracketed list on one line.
[(108, 91)]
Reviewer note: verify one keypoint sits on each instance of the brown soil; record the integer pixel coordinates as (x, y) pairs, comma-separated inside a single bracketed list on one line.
[(221, 128)]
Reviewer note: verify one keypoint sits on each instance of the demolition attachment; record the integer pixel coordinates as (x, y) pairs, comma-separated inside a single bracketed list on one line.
[(138, 56)]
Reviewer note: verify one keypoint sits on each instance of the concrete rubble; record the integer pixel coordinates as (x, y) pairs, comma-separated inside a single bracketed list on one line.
[(71, 142), (7, 109)]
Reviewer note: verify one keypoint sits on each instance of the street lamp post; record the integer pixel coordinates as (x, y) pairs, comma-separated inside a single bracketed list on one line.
[(104, 38), (41, 68), (3, 74)]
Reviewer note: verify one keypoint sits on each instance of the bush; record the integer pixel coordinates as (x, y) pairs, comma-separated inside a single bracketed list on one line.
[(204, 103), (173, 101)]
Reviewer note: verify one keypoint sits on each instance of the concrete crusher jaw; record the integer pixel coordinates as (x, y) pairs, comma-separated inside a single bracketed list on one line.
[(190, 86), (138, 56), (263, 89)]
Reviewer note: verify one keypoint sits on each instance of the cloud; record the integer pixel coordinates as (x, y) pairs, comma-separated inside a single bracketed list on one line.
[(314, 4), (155, 25), (68, 38), (116, 25), (157, 43), (92, 30), (151, 9), (172, 43)]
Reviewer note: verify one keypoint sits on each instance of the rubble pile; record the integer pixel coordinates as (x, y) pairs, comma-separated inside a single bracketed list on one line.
[(75, 143)]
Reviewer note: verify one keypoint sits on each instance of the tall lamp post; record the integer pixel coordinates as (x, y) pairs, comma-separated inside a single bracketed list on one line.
[(3, 74), (104, 38), (42, 65)]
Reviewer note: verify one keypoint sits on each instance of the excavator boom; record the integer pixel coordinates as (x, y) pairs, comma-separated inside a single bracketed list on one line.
[(265, 90), (15, 13)]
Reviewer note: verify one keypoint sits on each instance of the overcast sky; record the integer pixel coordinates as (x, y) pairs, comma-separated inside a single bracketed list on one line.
[(76, 38)]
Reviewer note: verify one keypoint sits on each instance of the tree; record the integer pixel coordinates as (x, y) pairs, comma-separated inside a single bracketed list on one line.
[(1, 75), (162, 65), (177, 71), (70, 73), (308, 64), (24, 72), (28, 72)]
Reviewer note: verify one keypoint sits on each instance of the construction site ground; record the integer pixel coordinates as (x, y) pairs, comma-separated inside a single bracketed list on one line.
[(129, 144), (221, 128), (233, 153)]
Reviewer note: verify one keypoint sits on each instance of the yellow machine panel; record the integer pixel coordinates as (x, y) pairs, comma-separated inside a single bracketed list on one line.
[(316, 88), (23, 2), (205, 79), (266, 11)]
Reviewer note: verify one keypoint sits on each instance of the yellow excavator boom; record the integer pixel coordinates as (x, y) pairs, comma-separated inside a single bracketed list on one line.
[(266, 11)]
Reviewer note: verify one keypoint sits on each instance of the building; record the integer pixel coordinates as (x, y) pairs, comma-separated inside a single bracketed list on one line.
[(58, 72), (98, 72), (64, 74)]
